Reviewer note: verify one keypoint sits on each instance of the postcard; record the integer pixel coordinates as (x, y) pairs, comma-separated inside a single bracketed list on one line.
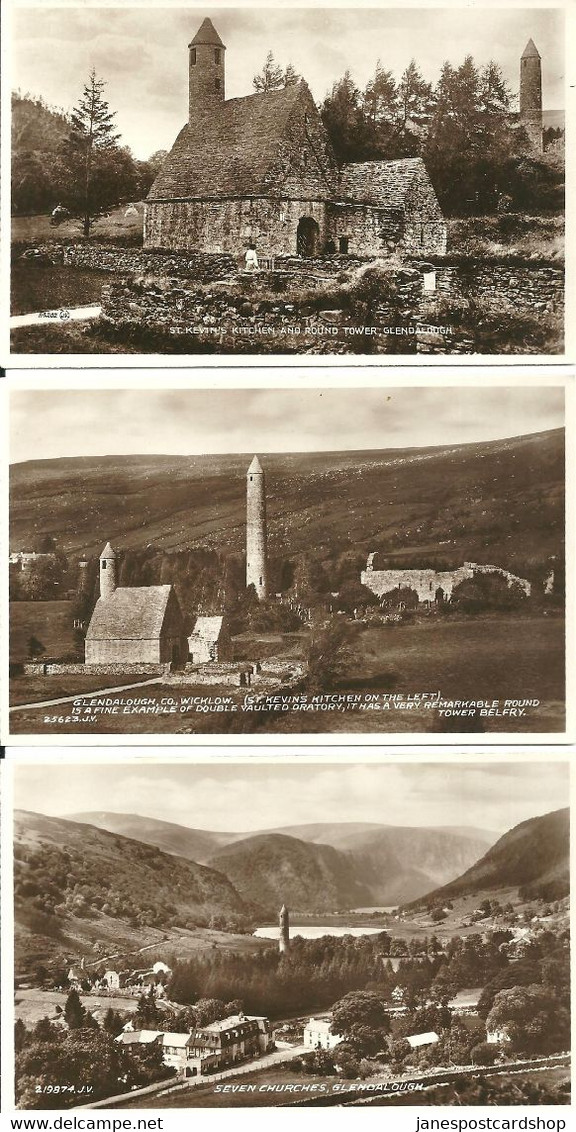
[(241, 935), (277, 183), (247, 564)]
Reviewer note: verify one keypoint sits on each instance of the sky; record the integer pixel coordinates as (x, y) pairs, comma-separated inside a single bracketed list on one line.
[(142, 52), (239, 797), (46, 424)]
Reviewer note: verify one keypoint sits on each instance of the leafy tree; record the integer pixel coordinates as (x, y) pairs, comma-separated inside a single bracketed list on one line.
[(20, 1035), (35, 647), (271, 77), (92, 137), (532, 1018), (330, 656), (362, 1020)]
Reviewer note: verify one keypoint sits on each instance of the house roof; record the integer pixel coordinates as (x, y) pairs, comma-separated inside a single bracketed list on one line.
[(225, 1024), (381, 183), (138, 1037), (207, 629), (318, 1025), (132, 613), (228, 150), (181, 1040), (426, 1039), (207, 34)]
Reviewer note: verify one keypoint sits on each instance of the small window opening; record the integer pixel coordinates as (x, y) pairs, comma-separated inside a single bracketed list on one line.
[(193, 56), (343, 244), (104, 565), (217, 84), (217, 55), (305, 159)]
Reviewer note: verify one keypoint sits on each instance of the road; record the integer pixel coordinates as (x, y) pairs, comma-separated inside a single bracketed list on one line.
[(86, 695), (54, 318)]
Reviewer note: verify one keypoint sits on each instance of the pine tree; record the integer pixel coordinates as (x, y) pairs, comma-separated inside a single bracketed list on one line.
[(271, 76), (291, 76), (92, 130)]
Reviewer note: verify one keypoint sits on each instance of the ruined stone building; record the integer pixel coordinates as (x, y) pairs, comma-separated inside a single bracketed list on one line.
[(431, 584), (261, 170), (134, 624)]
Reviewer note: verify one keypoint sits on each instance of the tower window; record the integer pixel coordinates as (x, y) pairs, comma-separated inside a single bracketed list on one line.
[(217, 84), (217, 56), (104, 565), (193, 57)]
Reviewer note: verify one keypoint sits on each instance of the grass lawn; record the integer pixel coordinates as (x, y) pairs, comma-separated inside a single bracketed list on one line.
[(492, 658), (28, 689), (49, 621)]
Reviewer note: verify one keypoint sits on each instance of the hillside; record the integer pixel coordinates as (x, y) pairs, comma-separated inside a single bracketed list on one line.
[(272, 869), (374, 864), (500, 501), (533, 856), (78, 888)]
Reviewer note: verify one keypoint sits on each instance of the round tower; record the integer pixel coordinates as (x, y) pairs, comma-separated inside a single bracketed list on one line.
[(284, 925), (107, 572), (207, 78), (256, 529), (531, 95)]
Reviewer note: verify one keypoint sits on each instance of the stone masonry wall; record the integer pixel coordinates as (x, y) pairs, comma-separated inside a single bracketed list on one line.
[(228, 226), (79, 669), (426, 582)]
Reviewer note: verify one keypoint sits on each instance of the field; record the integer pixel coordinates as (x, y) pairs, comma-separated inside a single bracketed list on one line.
[(488, 659), (49, 621)]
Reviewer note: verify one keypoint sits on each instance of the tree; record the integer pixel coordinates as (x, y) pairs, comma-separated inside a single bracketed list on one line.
[(532, 1018), (35, 647), (113, 1023), (343, 116), (92, 134), (75, 1015), (20, 1035), (271, 77), (415, 104), (362, 1020), (330, 656), (291, 76)]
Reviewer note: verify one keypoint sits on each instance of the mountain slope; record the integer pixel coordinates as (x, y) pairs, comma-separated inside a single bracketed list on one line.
[(533, 856), (193, 844), (271, 869), (466, 497), (383, 864), (76, 885)]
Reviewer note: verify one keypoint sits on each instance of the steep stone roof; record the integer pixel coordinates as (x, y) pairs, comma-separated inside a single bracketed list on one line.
[(207, 34), (108, 552), (530, 51), (228, 150), (206, 629), (384, 184), (255, 466), (131, 613)]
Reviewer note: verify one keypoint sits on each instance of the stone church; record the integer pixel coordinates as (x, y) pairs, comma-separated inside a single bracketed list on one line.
[(261, 170), (134, 624)]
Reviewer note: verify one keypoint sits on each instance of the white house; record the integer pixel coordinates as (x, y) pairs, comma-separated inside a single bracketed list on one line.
[(317, 1034)]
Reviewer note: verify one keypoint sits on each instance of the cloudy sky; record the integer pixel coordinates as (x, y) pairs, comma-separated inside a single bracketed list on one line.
[(54, 423), (141, 52), (240, 797)]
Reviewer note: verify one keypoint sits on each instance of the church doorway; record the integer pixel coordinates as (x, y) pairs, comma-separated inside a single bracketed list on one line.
[(307, 237)]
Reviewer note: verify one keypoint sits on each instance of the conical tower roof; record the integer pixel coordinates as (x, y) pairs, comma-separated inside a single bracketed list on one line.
[(530, 51), (108, 551), (255, 466), (207, 34)]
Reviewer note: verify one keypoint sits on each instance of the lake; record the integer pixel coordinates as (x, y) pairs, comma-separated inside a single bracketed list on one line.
[(310, 931)]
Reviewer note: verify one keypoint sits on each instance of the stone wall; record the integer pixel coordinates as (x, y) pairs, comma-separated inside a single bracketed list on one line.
[(229, 226), (79, 669), (137, 261), (427, 582), (535, 287)]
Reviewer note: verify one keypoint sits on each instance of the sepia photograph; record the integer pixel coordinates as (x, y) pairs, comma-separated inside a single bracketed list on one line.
[(312, 181), (242, 935), (286, 562)]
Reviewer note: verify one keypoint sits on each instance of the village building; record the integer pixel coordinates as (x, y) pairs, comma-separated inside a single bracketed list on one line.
[(258, 173), (210, 641), (230, 1040), (208, 1048), (416, 1041), (113, 980), (317, 1034), (134, 624)]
